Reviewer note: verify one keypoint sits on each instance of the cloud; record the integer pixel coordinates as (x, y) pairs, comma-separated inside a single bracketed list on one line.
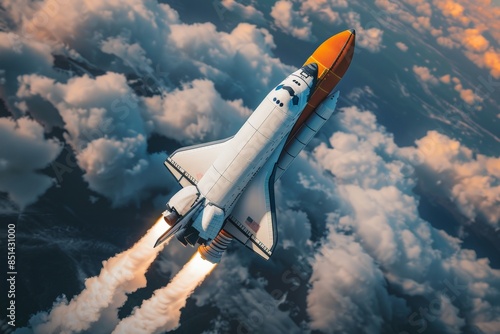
[(24, 151), (323, 10), (447, 42), (402, 46), (204, 111), (467, 95), (421, 7), (474, 41), (474, 28), (492, 61), (19, 56), (470, 27), (240, 62), (68, 23), (377, 206), (290, 21), (445, 79), (246, 12), (471, 180), (424, 75), (355, 284), (105, 131), (453, 9), (104, 117), (370, 39), (243, 299)]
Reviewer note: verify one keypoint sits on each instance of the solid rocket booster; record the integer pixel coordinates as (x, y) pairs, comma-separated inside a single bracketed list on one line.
[(306, 133)]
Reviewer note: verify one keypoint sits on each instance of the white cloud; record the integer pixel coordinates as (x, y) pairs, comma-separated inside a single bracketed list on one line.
[(205, 115), (370, 39), (351, 295), (290, 21), (246, 12), (474, 29), (445, 79), (324, 10), (294, 229), (25, 150), (402, 46), (467, 95), (241, 58), (471, 180), (105, 130), (378, 208), (424, 75), (18, 56), (251, 306), (101, 115), (68, 23), (421, 6)]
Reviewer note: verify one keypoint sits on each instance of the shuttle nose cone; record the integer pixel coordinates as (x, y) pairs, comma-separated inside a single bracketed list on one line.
[(352, 31)]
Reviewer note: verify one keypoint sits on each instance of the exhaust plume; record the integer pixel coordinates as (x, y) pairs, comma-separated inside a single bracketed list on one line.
[(105, 293), (162, 311)]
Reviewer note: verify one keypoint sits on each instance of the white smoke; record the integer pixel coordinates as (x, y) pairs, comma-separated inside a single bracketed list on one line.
[(104, 294), (162, 311)]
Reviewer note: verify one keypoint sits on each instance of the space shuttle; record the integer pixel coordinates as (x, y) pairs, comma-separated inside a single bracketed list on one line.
[(228, 185)]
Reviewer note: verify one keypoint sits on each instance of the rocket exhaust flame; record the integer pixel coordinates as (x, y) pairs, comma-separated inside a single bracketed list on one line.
[(162, 311), (103, 294)]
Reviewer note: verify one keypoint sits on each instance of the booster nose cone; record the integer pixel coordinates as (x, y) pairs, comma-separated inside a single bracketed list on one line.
[(333, 58)]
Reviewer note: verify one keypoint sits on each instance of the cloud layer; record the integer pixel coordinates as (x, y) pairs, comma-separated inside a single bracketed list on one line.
[(377, 205), (24, 151), (107, 122), (132, 69), (471, 180)]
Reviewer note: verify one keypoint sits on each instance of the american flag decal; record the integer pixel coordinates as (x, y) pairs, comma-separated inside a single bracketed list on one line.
[(252, 224)]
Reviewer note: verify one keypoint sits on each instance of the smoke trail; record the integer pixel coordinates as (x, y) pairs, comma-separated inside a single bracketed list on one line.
[(104, 294), (162, 311)]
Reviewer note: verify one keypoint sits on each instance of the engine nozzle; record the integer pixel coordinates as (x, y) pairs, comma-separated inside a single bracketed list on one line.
[(213, 251), (171, 218)]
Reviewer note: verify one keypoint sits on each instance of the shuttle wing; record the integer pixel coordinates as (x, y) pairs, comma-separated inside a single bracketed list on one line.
[(253, 219), (189, 164)]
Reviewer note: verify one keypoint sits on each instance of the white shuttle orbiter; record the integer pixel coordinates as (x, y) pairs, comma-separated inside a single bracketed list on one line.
[(228, 185)]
